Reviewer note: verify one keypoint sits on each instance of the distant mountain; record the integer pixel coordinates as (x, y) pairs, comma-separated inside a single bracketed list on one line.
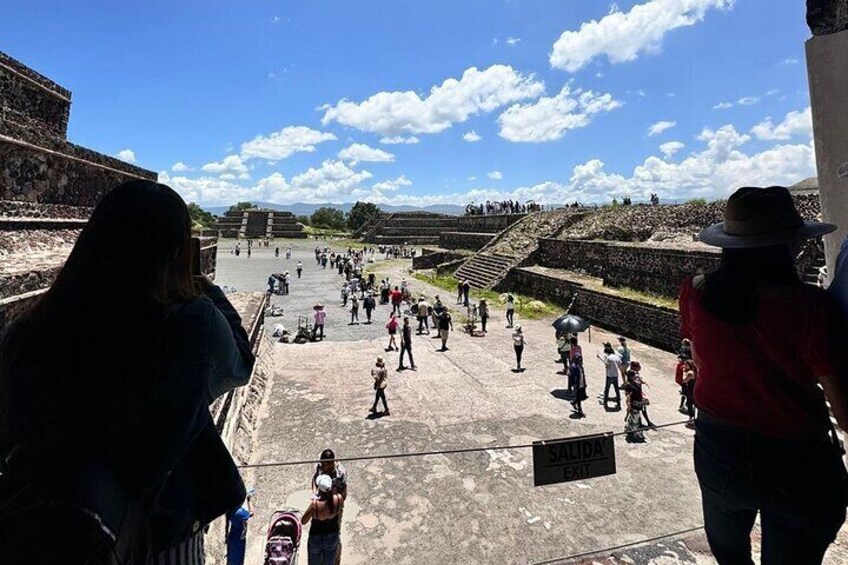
[(303, 209)]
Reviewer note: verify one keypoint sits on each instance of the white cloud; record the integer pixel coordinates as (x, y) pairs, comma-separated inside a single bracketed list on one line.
[(723, 106), (127, 155), (790, 61), (471, 137), (472, 178), (495, 175), (513, 41), (227, 176), (330, 180), (748, 100), (283, 143), (622, 36), (549, 118), (392, 185), (454, 101), (773, 92), (670, 148), (230, 164), (360, 152), (660, 127), (399, 139), (180, 167), (796, 123)]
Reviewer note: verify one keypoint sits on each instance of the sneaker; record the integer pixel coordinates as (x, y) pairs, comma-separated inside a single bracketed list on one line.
[(414, 367), (372, 409), (387, 413)]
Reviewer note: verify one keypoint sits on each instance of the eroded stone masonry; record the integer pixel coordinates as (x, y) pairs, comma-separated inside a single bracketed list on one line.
[(48, 185)]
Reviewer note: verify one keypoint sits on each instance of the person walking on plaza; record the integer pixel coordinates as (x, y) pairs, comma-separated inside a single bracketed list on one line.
[(763, 438), (445, 328), (406, 344), (397, 299), (623, 352), (345, 292), (518, 344), (328, 465), (318, 325), (633, 418), (286, 279), (392, 327), (577, 377), (277, 252), (236, 533), (678, 379), (510, 310), (459, 292), (354, 309), (324, 512), (381, 380), (483, 311), (299, 269), (564, 348), (612, 363), (369, 304), (690, 376), (466, 292), (423, 314)]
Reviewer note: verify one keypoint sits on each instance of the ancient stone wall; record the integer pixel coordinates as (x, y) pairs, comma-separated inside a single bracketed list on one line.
[(464, 240), (648, 269), (32, 100), (653, 325), (430, 259), (33, 174), (487, 224)]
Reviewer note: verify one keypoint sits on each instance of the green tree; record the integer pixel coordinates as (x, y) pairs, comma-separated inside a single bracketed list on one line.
[(200, 215), (326, 217), (360, 214), (305, 220), (241, 206)]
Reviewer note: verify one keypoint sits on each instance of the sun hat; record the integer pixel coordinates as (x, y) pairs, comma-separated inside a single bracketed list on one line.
[(324, 483), (761, 217)]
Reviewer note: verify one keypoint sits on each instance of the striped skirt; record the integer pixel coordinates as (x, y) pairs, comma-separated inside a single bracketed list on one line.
[(189, 552)]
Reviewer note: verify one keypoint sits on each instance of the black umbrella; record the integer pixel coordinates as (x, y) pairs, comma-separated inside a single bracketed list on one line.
[(570, 324)]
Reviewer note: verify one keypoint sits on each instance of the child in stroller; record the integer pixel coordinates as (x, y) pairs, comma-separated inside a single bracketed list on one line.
[(283, 539)]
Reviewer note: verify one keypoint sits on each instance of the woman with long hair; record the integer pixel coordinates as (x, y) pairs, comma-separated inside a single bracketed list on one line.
[(763, 438), (324, 511), (113, 369)]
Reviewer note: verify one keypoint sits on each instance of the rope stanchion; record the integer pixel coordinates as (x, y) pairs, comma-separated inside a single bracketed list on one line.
[(617, 547), (433, 452)]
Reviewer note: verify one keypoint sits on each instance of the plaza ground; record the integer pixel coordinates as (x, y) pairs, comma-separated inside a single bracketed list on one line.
[(476, 507)]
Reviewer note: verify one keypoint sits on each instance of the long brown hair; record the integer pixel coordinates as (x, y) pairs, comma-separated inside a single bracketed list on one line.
[(93, 338)]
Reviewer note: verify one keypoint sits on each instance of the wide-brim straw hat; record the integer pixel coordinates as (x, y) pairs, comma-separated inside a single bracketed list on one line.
[(761, 217), (318, 306)]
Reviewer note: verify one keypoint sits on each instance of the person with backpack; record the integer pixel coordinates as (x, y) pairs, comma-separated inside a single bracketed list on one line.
[(109, 439), (445, 328), (324, 512), (764, 442), (392, 328), (236, 533), (381, 380)]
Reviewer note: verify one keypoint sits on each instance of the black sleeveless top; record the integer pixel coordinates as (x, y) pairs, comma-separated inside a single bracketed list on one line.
[(324, 527)]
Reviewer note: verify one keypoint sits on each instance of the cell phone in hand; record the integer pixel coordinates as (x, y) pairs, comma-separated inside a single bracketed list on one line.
[(196, 267)]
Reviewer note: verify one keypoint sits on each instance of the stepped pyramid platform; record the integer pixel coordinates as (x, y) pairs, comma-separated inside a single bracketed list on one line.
[(259, 223), (48, 185)]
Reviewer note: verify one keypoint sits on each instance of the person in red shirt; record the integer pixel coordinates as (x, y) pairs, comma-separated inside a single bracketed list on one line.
[(397, 299), (763, 438)]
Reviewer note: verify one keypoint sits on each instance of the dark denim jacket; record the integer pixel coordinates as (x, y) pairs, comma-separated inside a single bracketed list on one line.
[(206, 354)]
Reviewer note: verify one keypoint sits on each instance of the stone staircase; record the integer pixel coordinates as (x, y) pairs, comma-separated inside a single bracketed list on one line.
[(485, 270), (514, 245)]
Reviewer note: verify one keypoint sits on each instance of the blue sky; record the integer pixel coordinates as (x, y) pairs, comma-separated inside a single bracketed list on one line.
[(552, 100)]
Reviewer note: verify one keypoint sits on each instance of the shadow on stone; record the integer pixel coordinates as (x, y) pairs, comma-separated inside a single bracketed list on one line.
[(562, 394)]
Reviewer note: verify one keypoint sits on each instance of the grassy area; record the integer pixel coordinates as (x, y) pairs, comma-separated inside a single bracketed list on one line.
[(647, 297), (527, 307)]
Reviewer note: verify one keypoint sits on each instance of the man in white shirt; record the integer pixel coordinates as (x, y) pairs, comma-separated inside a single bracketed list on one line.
[(611, 361)]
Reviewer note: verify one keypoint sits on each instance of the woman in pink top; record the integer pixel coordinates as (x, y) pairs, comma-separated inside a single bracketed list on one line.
[(319, 321), (392, 326)]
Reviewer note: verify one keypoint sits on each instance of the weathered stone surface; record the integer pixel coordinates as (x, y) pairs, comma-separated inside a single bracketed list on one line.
[(32, 100), (827, 16), (464, 240)]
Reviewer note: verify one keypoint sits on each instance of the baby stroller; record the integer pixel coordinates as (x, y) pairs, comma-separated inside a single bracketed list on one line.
[(283, 538)]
